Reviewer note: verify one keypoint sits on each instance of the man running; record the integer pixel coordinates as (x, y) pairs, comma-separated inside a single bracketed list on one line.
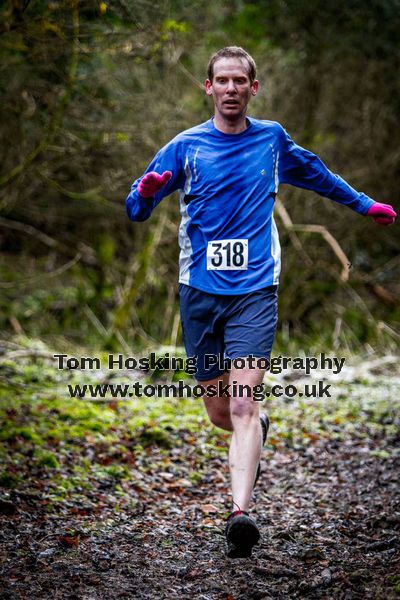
[(227, 171)]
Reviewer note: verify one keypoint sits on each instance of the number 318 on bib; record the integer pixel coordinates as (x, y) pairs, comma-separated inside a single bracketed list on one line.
[(227, 255)]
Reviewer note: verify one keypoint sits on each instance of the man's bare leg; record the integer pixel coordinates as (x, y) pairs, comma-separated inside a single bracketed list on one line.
[(245, 448), (218, 408), (240, 415)]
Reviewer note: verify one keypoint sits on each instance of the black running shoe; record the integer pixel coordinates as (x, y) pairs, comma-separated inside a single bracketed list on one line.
[(241, 534), (264, 428)]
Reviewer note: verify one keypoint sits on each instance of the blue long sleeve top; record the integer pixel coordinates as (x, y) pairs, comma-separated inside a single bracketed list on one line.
[(227, 185)]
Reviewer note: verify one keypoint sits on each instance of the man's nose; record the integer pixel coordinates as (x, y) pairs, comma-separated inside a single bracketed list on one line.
[(231, 86)]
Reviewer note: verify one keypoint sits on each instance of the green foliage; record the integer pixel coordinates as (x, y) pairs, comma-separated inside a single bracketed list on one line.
[(9, 480), (155, 435), (47, 459), (65, 448), (91, 90)]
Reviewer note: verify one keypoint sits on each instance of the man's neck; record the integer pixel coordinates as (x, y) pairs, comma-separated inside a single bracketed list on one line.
[(226, 126)]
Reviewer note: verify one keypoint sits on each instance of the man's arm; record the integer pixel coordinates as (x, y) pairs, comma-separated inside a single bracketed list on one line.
[(302, 168), (162, 177)]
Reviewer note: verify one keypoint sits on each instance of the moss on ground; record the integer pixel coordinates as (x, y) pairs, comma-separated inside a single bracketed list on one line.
[(66, 446)]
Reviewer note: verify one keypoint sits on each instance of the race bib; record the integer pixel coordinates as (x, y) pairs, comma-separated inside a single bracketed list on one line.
[(227, 255)]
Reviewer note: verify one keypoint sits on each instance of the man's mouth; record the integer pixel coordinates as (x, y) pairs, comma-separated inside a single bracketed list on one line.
[(231, 102)]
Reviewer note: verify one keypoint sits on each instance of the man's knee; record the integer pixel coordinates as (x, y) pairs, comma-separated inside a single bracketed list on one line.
[(218, 418), (218, 411), (244, 408)]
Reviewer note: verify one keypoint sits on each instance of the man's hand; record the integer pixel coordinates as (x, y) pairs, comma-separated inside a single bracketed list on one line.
[(383, 214), (152, 182)]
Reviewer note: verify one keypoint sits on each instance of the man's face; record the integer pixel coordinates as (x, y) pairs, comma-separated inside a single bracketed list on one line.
[(231, 88)]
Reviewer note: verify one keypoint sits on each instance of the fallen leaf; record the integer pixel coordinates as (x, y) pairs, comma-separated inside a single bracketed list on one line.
[(209, 508)]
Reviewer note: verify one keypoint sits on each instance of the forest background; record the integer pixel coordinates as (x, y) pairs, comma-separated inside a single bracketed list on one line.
[(114, 499), (91, 90)]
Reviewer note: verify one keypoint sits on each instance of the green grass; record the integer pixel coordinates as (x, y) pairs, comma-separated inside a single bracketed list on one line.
[(67, 447)]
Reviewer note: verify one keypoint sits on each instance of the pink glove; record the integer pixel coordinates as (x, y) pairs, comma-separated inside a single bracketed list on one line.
[(152, 182), (383, 214)]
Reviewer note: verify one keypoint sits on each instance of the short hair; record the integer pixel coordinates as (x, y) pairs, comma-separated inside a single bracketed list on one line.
[(233, 52)]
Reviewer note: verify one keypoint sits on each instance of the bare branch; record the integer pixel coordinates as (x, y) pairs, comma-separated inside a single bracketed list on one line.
[(288, 224), (328, 237), (188, 74), (28, 229), (55, 273)]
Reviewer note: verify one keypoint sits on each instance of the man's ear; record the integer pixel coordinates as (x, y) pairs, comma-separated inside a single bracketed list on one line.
[(254, 87), (208, 87)]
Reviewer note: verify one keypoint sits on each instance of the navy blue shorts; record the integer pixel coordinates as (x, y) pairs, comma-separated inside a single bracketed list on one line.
[(227, 326)]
